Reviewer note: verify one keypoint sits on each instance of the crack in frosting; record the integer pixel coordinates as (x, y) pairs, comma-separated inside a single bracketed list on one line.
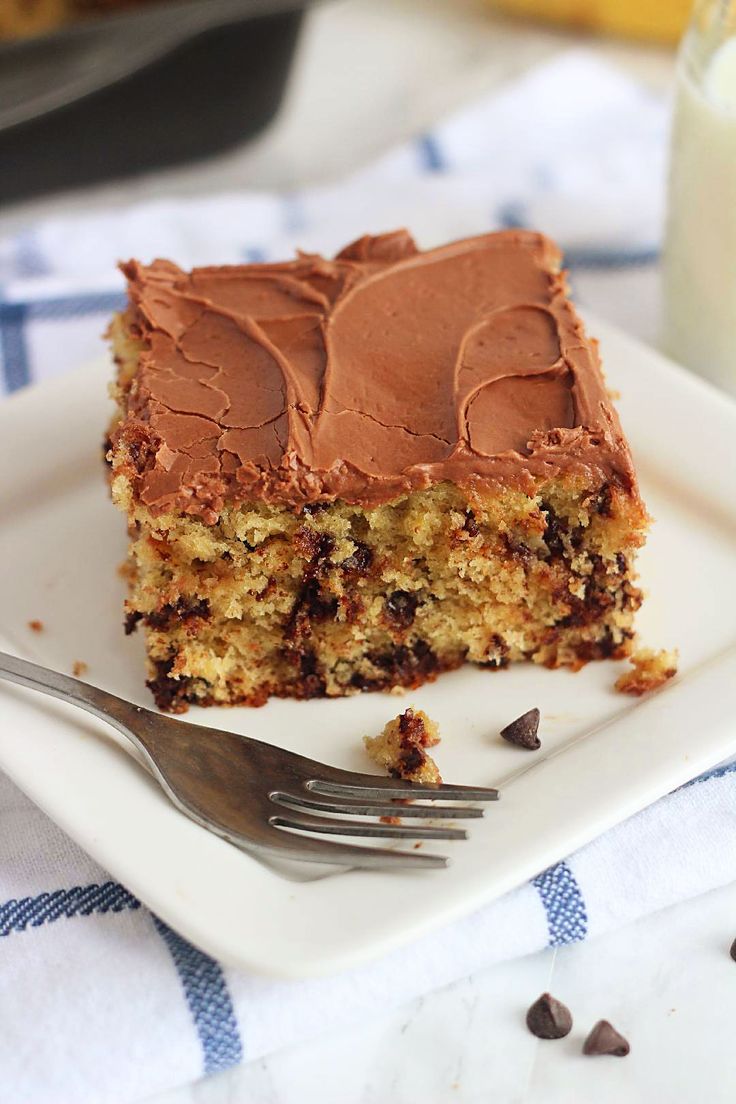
[(382, 371)]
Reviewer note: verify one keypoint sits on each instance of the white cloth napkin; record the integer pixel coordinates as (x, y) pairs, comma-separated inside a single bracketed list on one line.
[(574, 148), (99, 1001)]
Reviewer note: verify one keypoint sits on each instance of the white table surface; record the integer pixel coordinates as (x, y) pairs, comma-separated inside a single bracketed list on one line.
[(369, 73)]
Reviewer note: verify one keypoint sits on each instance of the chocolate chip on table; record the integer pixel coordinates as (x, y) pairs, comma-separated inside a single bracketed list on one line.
[(523, 731), (548, 1018), (733, 950), (605, 1039)]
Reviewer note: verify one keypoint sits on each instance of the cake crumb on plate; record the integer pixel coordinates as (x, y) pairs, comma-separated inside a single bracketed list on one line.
[(651, 669), (79, 668), (401, 747), (36, 625)]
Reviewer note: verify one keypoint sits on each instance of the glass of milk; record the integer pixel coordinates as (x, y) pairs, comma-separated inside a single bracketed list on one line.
[(700, 242)]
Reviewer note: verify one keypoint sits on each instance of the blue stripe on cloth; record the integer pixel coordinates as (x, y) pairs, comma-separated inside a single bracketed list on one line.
[(514, 216), (32, 912), (75, 306), (209, 1001), (567, 920), (430, 153), (14, 319), (253, 254), (13, 347), (716, 772), (511, 216), (294, 218), (611, 258), (30, 260)]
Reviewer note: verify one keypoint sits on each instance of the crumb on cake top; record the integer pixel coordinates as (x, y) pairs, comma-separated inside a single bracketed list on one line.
[(383, 371)]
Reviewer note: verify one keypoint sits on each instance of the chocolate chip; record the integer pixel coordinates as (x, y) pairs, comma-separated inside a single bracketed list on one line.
[(312, 546), (411, 727), (733, 950), (411, 760), (184, 609), (401, 607), (548, 1018), (311, 605), (516, 547), (414, 738), (554, 530), (471, 525), (360, 561), (605, 1039), (604, 501), (131, 620), (171, 694), (523, 731)]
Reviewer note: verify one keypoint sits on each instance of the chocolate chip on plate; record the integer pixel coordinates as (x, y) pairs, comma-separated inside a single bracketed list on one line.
[(733, 950), (548, 1018), (523, 731), (605, 1039)]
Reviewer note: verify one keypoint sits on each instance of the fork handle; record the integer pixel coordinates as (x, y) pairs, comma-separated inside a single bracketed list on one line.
[(108, 707)]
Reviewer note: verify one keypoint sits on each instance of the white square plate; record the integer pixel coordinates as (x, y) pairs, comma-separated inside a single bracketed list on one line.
[(603, 757)]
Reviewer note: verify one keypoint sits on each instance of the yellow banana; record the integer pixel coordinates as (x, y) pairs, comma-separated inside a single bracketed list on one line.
[(662, 20)]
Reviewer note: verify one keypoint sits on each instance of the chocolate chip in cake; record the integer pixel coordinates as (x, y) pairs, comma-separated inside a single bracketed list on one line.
[(471, 525), (548, 1018), (131, 621), (312, 683), (317, 605), (406, 666), (605, 1039), (523, 731), (360, 561), (401, 607), (313, 546), (183, 610), (604, 501), (171, 693), (733, 950), (554, 529)]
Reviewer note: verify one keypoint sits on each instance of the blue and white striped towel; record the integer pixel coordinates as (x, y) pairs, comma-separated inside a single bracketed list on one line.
[(100, 1001)]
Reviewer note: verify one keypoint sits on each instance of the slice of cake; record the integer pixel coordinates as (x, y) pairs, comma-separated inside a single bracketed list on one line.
[(353, 474)]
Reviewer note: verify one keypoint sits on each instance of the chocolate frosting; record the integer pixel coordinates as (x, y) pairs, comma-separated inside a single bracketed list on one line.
[(382, 371)]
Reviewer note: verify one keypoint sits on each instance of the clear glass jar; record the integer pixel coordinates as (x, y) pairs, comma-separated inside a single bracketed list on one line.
[(700, 242)]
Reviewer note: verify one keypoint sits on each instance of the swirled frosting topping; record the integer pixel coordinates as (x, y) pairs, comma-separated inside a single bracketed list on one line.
[(382, 371)]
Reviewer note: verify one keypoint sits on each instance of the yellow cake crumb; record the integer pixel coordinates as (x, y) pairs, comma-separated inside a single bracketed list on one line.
[(401, 747), (651, 669), (79, 668)]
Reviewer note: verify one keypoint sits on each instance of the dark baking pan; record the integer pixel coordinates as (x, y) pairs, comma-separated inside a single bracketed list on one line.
[(175, 81)]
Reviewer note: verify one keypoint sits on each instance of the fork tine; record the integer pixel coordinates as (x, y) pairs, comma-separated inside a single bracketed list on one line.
[(349, 805), (334, 827), (368, 787)]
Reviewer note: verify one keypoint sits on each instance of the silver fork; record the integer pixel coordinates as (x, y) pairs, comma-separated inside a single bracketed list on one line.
[(262, 798)]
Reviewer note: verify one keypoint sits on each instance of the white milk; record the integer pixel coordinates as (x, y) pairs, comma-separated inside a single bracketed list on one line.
[(700, 248)]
